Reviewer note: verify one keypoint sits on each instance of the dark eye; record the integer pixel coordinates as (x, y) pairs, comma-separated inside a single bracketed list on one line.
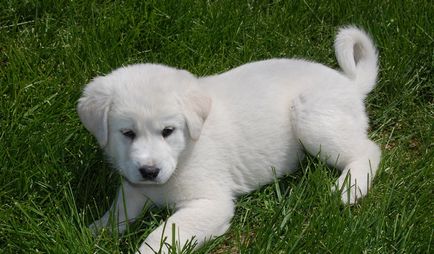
[(129, 134), (167, 131)]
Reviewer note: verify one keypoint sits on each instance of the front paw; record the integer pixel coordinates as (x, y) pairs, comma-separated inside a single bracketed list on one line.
[(101, 226), (97, 227), (146, 249)]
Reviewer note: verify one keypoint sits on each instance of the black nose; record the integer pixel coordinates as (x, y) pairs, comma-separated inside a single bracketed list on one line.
[(149, 172)]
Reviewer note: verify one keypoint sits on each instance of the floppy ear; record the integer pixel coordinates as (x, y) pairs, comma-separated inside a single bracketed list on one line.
[(197, 107), (93, 109)]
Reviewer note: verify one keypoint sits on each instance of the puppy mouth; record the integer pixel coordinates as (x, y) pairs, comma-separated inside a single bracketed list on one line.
[(145, 179), (143, 182)]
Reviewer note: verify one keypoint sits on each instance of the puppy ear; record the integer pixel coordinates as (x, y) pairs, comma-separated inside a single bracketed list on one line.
[(198, 106), (93, 109)]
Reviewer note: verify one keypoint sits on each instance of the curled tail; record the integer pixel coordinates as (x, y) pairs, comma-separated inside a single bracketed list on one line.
[(357, 57)]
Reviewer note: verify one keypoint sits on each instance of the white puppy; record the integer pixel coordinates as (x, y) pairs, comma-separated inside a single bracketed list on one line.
[(196, 143)]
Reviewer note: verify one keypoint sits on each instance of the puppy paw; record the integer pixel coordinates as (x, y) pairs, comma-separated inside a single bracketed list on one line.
[(99, 227), (151, 248), (351, 188), (96, 227)]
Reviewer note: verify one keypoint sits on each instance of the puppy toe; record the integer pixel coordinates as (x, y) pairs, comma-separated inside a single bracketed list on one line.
[(351, 189), (96, 227)]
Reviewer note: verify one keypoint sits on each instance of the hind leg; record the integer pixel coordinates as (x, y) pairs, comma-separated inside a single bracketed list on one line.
[(335, 130)]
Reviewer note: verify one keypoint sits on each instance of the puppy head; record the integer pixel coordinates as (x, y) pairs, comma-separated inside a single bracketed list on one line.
[(144, 117)]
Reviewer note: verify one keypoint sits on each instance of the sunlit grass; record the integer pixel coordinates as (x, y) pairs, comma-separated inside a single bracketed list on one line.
[(54, 179)]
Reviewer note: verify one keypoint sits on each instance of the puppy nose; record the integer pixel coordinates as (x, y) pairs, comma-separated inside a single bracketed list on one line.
[(149, 172)]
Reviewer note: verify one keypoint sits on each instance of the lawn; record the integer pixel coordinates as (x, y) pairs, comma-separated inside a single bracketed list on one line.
[(54, 179)]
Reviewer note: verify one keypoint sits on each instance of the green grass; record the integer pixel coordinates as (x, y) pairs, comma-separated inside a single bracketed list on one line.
[(54, 179)]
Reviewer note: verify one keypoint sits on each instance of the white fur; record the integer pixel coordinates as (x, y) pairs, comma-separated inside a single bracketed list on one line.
[(231, 131)]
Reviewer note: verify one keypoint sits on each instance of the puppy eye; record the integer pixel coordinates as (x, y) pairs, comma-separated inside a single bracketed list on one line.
[(129, 134), (167, 131)]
